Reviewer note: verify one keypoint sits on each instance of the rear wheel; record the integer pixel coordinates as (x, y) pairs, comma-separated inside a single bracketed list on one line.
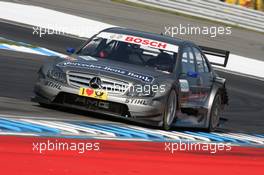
[(215, 113), (170, 110)]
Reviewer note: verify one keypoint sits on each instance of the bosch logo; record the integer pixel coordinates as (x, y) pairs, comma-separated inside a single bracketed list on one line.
[(146, 42)]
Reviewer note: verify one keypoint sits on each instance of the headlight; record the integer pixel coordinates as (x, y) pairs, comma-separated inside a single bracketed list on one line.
[(141, 91), (57, 74)]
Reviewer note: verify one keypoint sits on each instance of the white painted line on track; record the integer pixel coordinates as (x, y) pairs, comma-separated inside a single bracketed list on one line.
[(70, 127), (18, 133), (186, 136), (22, 49), (241, 137), (243, 65), (85, 129), (170, 134), (50, 19)]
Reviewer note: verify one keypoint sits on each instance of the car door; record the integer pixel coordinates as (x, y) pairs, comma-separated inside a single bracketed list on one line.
[(189, 79), (205, 75)]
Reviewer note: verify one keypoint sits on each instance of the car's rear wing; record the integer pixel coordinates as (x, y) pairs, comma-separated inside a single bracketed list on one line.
[(213, 55)]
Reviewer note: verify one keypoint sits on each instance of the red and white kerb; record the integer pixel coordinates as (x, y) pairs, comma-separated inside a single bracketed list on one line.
[(140, 41)]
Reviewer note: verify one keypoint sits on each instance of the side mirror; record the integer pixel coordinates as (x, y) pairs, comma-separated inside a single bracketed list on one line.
[(70, 50), (192, 74)]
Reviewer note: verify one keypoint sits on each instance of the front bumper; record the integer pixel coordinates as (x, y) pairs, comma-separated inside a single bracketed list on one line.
[(144, 110)]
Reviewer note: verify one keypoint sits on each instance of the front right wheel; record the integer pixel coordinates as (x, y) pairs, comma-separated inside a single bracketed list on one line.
[(215, 113), (169, 113)]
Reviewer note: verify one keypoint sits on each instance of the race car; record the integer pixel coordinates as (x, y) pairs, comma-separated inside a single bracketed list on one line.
[(140, 76)]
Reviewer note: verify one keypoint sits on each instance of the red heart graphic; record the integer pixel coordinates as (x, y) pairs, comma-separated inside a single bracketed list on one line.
[(89, 92)]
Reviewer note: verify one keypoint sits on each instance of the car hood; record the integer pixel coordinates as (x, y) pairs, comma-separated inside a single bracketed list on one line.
[(114, 69)]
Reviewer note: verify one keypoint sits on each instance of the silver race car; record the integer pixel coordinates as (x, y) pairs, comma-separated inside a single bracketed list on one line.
[(144, 77)]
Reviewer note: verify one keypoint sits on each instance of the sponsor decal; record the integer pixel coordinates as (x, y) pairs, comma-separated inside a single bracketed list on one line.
[(145, 42), (93, 93), (138, 76), (53, 85), (140, 41), (92, 104), (136, 101)]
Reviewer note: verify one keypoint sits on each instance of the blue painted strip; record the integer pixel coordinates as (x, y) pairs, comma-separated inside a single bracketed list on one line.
[(45, 52), (222, 137), (4, 47), (8, 127), (122, 130), (207, 135), (258, 135), (149, 135), (36, 126), (21, 126), (45, 128), (103, 129)]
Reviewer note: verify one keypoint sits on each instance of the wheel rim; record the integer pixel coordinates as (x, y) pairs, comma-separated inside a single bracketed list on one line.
[(171, 108), (216, 112)]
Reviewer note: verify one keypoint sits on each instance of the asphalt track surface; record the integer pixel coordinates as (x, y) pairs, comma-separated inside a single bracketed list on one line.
[(241, 42), (19, 72)]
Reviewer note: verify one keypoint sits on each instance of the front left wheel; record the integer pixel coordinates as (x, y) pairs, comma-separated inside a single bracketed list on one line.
[(169, 113)]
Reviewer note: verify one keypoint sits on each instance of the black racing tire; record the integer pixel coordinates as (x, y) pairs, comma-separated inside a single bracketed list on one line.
[(215, 113), (44, 105), (170, 110)]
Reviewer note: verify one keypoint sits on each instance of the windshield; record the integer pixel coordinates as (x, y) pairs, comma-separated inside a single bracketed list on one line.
[(132, 50)]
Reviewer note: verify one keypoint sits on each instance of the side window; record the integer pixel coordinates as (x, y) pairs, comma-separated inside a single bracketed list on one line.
[(199, 60), (187, 60), (206, 67)]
